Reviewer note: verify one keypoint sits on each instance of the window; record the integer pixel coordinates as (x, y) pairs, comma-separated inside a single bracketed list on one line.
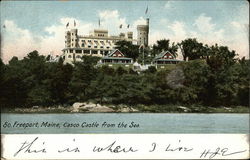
[(86, 51), (78, 51), (94, 52), (101, 46), (89, 46), (82, 44), (69, 56), (70, 51), (95, 46), (89, 40), (78, 56), (107, 47)]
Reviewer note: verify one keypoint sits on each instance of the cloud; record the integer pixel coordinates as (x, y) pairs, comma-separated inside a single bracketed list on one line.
[(203, 23), (54, 42), (140, 21), (236, 24), (206, 32), (111, 20), (178, 29), (19, 42), (16, 41), (168, 4)]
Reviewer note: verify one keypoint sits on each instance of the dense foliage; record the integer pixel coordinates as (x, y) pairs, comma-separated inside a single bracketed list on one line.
[(218, 79)]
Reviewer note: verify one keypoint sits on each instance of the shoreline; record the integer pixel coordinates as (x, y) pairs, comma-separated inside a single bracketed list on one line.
[(97, 108)]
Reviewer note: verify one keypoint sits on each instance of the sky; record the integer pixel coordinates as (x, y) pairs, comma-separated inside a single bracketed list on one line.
[(41, 25)]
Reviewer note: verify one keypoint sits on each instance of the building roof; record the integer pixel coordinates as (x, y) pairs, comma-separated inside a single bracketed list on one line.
[(112, 55), (160, 57), (117, 51)]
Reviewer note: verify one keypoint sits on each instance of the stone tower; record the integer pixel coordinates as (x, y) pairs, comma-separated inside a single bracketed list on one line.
[(71, 39), (142, 34)]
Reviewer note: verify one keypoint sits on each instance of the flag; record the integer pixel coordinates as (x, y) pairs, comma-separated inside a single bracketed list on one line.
[(74, 23), (121, 26), (128, 26), (99, 22), (146, 10), (4, 26), (67, 24)]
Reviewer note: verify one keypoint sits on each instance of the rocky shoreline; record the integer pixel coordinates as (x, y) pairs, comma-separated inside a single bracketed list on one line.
[(77, 107), (89, 107)]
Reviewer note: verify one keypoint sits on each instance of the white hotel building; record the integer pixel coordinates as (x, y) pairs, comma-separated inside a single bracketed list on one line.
[(98, 43)]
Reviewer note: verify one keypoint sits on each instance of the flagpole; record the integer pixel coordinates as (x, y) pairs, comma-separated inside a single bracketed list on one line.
[(143, 55)]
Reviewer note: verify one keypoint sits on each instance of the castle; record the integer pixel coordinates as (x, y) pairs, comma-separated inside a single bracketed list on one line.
[(99, 42)]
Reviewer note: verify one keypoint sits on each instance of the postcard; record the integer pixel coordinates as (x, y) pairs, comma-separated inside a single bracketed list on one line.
[(124, 79)]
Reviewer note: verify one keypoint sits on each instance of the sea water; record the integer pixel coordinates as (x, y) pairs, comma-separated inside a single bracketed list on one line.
[(97, 123)]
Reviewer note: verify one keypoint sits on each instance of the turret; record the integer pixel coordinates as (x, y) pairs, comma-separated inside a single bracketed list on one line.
[(142, 33), (74, 38), (67, 39)]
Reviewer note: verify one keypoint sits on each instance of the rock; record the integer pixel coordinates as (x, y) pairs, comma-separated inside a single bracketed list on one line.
[(35, 107), (134, 110), (90, 106), (77, 105), (125, 109), (101, 109), (185, 109), (175, 78)]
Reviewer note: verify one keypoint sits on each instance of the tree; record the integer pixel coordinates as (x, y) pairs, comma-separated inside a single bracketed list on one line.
[(192, 49), (196, 75), (220, 57), (164, 45), (243, 79), (57, 81), (221, 85), (151, 69), (127, 48), (84, 72), (100, 88), (120, 71)]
